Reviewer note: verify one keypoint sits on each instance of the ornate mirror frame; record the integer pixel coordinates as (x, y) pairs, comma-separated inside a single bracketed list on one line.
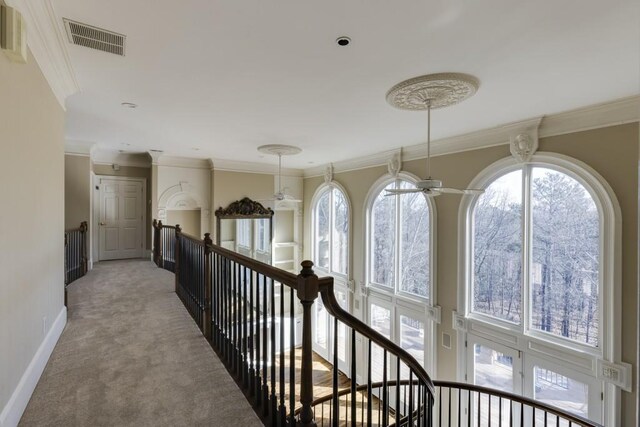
[(244, 208)]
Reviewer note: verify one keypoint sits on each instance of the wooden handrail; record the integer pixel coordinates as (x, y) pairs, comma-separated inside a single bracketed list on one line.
[(333, 307), (284, 277), (519, 399)]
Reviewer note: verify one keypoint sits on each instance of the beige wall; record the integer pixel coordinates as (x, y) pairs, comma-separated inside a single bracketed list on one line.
[(132, 172), (189, 221), (32, 225), (77, 190), (613, 152)]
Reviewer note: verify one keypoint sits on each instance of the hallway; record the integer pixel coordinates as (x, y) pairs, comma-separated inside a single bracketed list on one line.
[(132, 355)]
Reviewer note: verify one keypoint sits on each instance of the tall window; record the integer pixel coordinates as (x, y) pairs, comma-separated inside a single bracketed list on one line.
[(541, 275), (399, 241), (538, 229), (331, 231)]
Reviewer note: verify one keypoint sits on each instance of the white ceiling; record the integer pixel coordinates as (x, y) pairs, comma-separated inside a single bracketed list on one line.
[(224, 77)]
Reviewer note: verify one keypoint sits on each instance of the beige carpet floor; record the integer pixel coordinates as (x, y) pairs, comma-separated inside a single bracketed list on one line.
[(131, 355)]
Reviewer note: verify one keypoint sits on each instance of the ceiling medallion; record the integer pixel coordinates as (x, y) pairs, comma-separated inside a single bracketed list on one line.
[(442, 89), (279, 149)]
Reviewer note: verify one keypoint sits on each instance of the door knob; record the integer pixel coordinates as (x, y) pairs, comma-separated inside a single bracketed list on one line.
[(103, 223)]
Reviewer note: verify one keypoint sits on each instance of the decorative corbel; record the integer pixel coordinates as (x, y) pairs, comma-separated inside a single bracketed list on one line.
[(523, 141), (394, 164), (328, 173)]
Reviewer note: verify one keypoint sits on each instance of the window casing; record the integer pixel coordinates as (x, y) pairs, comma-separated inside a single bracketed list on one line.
[(576, 357)]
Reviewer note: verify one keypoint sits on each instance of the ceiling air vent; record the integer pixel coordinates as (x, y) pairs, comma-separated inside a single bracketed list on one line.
[(95, 38)]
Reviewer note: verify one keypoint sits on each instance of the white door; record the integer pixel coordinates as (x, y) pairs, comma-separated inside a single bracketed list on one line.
[(120, 219)]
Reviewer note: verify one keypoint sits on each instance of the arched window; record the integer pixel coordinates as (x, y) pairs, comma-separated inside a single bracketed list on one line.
[(331, 215), (400, 294), (400, 240), (538, 283), (537, 228)]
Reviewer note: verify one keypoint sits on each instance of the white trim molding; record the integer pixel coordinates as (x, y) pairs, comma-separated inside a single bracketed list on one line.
[(13, 410), (617, 112), (251, 167), (47, 42)]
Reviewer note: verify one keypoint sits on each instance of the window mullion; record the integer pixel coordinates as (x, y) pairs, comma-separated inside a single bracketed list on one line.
[(398, 232), (331, 225), (527, 239)]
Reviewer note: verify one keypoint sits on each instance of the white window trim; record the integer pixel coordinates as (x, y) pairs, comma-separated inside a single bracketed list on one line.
[(610, 261), (417, 300), (342, 279)]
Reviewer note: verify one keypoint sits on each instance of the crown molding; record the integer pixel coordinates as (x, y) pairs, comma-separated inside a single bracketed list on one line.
[(109, 157), (79, 148), (621, 111), (618, 112), (183, 162), (251, 167), (47, 42)]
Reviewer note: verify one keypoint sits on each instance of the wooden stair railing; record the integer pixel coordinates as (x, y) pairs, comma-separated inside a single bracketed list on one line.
[(247, 311), (462, 404), (75, 255)]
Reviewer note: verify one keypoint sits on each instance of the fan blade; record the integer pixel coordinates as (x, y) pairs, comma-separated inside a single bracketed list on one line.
[(448, 190), (458, 191), (403, 191)]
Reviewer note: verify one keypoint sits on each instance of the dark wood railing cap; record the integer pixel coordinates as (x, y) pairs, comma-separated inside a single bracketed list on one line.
[(207, 239), (307, 268), (308, 286)]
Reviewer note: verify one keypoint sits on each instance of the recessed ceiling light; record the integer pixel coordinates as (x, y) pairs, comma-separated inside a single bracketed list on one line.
[(129, 105), (310, 163), (343, 41)]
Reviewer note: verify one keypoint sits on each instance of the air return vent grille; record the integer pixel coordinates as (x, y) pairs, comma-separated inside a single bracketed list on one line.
[(95, 38)]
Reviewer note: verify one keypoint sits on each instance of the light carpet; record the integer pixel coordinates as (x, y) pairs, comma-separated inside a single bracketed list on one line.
[(131, 355)]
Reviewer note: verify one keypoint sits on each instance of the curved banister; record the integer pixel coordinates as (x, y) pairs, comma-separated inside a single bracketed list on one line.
[(333, 307), (519, 399), (474, 389)]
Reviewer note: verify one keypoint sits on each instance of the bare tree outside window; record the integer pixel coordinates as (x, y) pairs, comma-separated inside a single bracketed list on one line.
[(400, 241), (383, 250), (566, 238), (497, 251), (564, 269)]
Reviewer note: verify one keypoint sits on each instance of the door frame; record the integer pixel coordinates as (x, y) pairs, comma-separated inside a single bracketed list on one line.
[(97, 205)]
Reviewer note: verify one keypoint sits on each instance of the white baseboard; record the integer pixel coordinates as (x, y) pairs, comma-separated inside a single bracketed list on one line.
[(13, 410)]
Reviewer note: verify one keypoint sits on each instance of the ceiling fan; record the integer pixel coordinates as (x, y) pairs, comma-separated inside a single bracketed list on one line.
[(280, 150), (425, 93)]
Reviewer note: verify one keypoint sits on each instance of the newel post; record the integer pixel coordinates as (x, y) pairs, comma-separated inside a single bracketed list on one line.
[(176, 270), (161, 245), (307, 293), (156, 242), (83, 241), (206, 328)]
